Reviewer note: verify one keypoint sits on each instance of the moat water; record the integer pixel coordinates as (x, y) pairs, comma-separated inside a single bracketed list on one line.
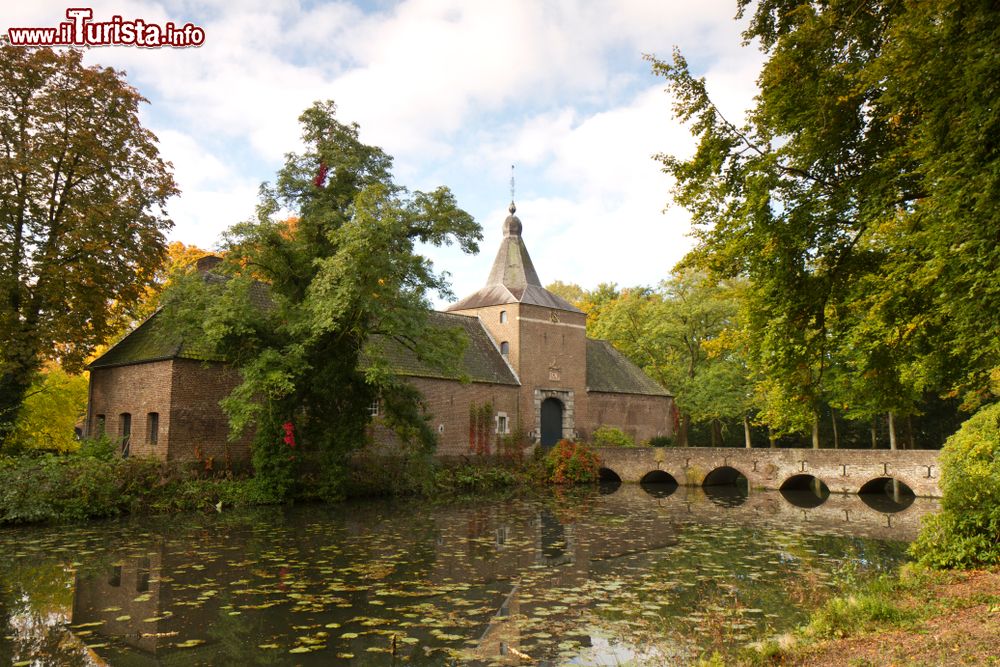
[(639, 576)]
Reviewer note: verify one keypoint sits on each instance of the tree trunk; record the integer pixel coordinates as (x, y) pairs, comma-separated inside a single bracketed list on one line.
[(13, 388), (772, 441), (874, 434), (682, 436), (712, 427), (815, 437), (892, 431), (836, 436), (910, 442), (746, 431)]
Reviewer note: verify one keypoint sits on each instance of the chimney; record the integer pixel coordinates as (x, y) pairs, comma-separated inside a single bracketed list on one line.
[(207, 263)]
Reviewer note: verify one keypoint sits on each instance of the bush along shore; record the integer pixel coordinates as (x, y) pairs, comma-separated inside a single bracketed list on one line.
[(94, 483)]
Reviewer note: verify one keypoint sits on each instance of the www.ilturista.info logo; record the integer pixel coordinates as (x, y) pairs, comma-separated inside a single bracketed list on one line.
[(80, 30)]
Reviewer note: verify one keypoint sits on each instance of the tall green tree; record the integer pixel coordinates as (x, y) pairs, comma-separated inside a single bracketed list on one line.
[(860, 198), (82, 191), (314, 314), (677, 334)]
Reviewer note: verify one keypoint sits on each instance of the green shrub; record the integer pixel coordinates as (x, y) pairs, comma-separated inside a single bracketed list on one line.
[(966, 532), (661, 441), (572, 463), (74, 488), (100, 447), (609, 436)]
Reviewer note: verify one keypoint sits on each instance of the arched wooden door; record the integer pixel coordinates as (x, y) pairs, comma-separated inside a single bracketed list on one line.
[(552, 420)]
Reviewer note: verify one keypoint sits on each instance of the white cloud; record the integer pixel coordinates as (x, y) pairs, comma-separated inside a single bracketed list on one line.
[(457, 91)]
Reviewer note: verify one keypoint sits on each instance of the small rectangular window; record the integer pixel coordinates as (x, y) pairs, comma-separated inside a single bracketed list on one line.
[(502, 423), (153, 428), (142, 576), (373, 409), (125, 431), (101, 427)]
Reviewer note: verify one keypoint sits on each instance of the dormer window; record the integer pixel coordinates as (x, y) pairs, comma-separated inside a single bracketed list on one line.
[(503, 317)]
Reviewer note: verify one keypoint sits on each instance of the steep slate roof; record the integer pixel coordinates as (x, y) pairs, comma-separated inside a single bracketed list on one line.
[(608, 370), (481, 362), (147, 343), (150, 342), (513, 278)]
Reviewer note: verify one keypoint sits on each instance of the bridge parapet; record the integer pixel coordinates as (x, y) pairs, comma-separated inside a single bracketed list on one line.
[(842, 470)]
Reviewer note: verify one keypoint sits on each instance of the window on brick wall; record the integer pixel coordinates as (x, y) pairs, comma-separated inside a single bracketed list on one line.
[(153, 428), (505, 348), (101, 427), (142, 576), (502, 423), (373, 409), (503, 317), (125, 431)]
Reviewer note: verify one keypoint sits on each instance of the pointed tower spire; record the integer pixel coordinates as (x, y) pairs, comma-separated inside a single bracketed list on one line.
[(513, 278)]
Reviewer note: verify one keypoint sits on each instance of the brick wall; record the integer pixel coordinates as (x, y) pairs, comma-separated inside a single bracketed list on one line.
[(553, 356), (501, 331), (197, 420), (641, 417), (138, 390), (448, 404)]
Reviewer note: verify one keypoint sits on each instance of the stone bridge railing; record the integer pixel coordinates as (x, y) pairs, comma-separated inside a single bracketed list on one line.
[(842, 470)]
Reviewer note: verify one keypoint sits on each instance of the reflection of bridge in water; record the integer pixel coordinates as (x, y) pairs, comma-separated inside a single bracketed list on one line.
[(841, 470)]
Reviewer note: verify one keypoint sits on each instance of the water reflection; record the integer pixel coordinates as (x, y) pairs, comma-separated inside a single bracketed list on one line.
[(598, 579), (887, 495), (805, 491), (728, 495), (658, 484), (608, 481)]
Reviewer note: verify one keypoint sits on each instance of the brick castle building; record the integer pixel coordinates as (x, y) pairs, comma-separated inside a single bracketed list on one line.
[(528, 358)]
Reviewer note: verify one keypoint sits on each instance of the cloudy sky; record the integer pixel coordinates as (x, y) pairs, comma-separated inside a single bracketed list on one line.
[(456, 91)]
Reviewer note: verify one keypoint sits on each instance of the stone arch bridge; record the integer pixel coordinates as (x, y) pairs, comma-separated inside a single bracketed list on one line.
[(842, 470)]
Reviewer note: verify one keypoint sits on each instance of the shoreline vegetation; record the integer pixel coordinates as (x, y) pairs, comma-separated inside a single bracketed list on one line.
[(49, 488), (915, 616)]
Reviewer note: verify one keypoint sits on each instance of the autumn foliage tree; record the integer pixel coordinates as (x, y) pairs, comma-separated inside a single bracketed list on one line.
[(82, 221)]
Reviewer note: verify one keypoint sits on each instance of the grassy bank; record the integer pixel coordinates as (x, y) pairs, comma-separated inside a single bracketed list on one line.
[(918, 617), (72, 488)]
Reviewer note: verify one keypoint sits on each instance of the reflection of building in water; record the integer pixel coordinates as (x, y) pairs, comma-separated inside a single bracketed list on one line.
[(124, 599), (544, 552)]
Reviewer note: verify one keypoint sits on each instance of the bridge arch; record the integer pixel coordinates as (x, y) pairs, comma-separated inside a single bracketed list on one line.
[(726, 486), (804, 490), (886, 494), (724, 476), (658, 483), (608, 479)]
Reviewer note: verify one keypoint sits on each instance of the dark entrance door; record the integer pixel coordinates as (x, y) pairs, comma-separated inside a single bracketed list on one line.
[(552, 419)]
